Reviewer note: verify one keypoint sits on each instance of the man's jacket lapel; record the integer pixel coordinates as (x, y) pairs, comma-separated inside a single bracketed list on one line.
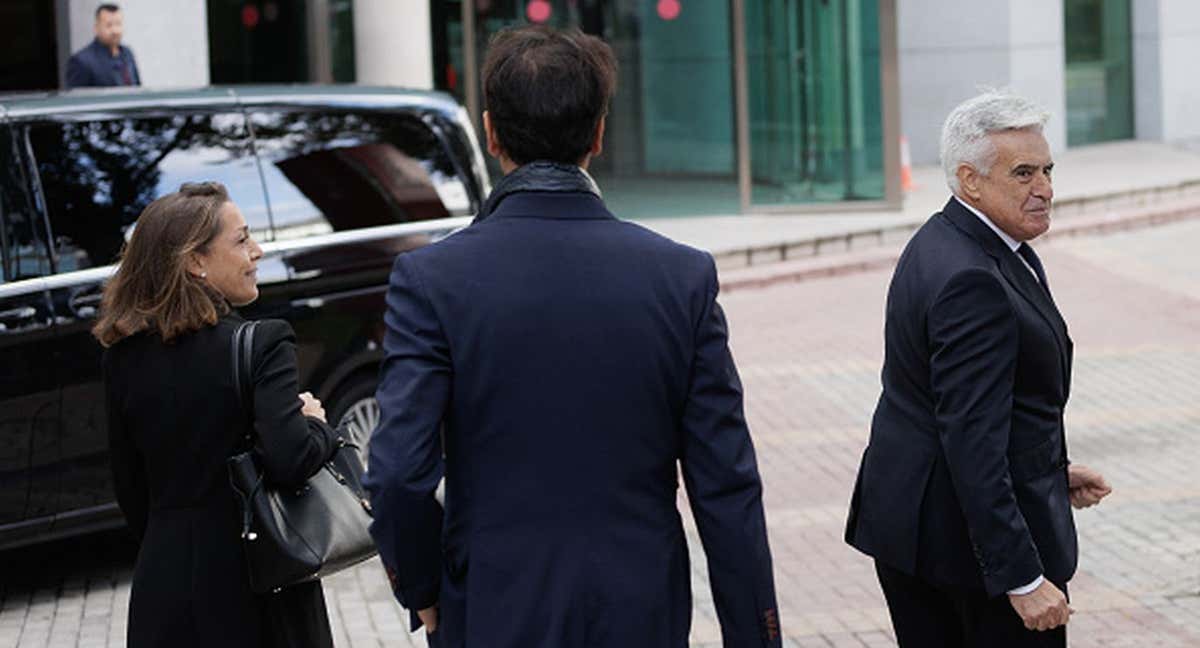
[(1018, 276)]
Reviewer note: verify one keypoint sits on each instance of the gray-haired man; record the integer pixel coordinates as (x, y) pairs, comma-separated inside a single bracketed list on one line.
[(965, 491)]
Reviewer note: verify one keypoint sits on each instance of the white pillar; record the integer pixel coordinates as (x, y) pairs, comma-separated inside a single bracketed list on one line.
[(1147, 70), (169, 38), (1165, 51), (949, 50), (1038, 61), (393, 44)]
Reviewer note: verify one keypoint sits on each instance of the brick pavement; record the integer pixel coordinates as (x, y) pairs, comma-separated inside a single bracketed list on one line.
[(809, 353)]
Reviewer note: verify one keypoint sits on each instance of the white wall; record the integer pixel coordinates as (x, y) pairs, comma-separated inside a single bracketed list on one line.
[(393, 43), (169, 38), (1147, 70), (1038, 61), (1166, 49), (950, 50)]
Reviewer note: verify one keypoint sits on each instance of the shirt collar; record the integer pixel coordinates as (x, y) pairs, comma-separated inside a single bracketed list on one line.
[(107, 52), (1011, 242)]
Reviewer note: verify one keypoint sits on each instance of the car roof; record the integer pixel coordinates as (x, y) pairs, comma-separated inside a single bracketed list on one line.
[(90, 100)]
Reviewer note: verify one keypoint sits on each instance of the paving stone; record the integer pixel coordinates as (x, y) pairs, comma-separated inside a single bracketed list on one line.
[(809, 355)]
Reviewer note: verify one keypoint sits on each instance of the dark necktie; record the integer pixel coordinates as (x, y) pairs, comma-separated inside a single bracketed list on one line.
[(1034, 262)]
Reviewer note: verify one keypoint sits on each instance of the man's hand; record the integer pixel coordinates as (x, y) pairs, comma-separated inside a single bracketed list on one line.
[(428, 617), (1087, 487), (1045, 608)]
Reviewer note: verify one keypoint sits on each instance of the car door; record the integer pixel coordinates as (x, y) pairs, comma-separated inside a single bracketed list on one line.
[(29, 393), (98, 172)]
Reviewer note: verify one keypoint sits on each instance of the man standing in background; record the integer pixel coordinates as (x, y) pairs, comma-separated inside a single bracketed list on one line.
[(105, 61)]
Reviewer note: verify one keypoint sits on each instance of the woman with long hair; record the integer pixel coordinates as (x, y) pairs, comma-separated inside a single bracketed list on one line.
[(174, 418)]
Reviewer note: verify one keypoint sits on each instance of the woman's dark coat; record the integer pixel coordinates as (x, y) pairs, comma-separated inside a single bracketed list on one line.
[(174, 419)]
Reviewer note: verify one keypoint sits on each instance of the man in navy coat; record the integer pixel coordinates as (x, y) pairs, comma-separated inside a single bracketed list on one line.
[(105, 61), (965, 491), (561, 367)]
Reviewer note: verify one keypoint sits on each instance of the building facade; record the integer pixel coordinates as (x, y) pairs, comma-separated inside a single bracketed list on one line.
[(1106, 69), (723, 106)]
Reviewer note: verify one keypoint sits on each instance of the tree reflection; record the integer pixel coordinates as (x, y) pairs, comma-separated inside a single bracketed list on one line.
[(98, 176)]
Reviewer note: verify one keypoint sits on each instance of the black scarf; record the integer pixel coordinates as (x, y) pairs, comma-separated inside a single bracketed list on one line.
[(540, 175)]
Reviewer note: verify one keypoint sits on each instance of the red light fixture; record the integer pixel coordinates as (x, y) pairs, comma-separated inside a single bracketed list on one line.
[(538, 11), (250, 16), (669, 9)]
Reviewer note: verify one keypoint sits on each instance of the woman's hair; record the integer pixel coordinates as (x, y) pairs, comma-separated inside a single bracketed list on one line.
[(152, 289), (965, 133)]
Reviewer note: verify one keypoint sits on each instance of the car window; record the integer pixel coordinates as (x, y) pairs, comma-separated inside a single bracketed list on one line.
[(23, 253), (98, 176), (335, 170)]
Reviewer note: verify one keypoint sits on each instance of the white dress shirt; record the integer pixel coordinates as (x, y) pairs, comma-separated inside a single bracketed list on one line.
[(1012, 244)]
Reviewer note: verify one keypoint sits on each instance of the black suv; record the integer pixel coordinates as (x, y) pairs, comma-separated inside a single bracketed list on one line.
[(334, 182)]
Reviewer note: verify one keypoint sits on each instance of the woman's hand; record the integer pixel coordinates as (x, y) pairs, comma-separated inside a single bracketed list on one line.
[(310, 406)]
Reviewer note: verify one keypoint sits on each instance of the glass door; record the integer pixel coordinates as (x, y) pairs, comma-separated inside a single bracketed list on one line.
[(812, 131), (815, 107), (670, 144), (1099, 72)]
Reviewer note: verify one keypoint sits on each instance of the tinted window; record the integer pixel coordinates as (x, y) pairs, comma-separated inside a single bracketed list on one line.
[(334, 171), (22, 252), (99, 175)]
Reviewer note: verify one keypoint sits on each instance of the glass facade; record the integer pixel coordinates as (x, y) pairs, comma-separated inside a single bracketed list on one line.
[(1099, 71), (816, 115), (671, 145), (27, 29), (300, 41)]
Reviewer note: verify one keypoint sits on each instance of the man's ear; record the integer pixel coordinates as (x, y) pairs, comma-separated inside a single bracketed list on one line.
[(968, 181), (493, 143), (597, 138)]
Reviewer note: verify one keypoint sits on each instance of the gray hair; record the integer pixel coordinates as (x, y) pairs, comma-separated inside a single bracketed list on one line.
[(965, 133)]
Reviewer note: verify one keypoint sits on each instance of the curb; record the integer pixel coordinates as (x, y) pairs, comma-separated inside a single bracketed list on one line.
[(818, 265), (1068, 210)]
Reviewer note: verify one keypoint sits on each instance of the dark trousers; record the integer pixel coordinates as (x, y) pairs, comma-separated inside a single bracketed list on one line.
[(928, 616)]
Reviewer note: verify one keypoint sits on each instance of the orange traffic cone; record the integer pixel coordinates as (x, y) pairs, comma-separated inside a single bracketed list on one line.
[(906, 176)]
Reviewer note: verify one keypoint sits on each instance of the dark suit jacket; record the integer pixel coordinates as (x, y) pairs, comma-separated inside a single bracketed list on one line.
[(964, 480), (566, 363), (173, 420), (94, 65)]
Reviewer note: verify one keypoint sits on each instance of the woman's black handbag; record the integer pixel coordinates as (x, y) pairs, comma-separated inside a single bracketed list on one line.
[(292, 536)]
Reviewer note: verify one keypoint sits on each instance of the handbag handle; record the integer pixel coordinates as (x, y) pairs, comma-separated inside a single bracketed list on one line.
[(242, 348)]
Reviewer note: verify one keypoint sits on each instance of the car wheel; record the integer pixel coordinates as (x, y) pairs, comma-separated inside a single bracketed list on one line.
[(357, 412)]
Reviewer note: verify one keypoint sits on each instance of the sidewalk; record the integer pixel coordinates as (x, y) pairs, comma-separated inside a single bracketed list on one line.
[(1099, 183)]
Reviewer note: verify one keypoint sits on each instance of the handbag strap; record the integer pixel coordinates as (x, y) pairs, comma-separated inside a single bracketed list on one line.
[(242, 350)]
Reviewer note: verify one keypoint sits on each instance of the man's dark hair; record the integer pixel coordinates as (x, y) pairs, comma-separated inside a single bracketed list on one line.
[(107, 6), (545, 91)]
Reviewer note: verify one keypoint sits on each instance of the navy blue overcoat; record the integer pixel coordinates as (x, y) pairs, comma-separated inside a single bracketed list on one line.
[(964, 481), (561, 368)]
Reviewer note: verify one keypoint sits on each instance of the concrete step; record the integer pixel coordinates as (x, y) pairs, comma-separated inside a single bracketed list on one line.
[(870, 249)]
